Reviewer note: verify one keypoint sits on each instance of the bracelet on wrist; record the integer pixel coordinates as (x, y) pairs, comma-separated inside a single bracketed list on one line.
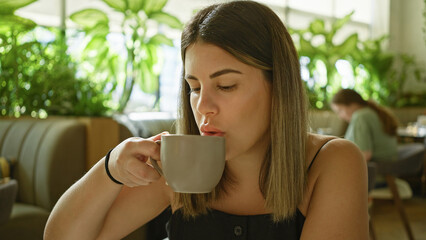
[(107, 169)]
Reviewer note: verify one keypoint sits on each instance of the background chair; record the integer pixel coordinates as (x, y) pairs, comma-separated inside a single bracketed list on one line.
[(372, 169), (8, 192), (410, 162)]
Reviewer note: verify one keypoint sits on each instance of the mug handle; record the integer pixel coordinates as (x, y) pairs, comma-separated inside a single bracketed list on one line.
[(154, 162)]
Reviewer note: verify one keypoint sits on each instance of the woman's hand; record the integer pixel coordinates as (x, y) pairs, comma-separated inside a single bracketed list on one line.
[(128, 161), (101, 209)]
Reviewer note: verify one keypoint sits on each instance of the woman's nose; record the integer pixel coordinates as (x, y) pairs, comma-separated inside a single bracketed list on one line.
[(206, 104)]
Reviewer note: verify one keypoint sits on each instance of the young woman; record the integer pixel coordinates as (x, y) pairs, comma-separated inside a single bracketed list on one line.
[(371, 127), (240, 80)]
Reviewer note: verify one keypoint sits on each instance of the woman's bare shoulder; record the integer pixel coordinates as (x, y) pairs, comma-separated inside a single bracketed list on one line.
[(337, 188), (332, 149), (332, 160), (314, 145), (342, 152)]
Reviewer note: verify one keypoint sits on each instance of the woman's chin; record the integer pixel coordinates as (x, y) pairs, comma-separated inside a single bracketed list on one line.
[(229, 156)]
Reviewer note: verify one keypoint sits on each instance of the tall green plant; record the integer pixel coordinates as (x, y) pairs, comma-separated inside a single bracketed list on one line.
[(140, 18), (327, 51), (382, 75), (407, 67), (373, 67), (38, 78), (379, 74), (11, 26)]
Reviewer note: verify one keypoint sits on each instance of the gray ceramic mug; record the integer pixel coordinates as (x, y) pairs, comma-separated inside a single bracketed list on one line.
[(191, 163)]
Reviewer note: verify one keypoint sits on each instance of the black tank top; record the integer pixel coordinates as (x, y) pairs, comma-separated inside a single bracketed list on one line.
[(218, 225)]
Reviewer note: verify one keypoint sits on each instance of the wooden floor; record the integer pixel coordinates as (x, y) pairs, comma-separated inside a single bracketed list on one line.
[(387, 224)]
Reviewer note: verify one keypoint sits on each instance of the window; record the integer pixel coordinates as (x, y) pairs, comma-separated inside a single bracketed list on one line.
[(371, 19)]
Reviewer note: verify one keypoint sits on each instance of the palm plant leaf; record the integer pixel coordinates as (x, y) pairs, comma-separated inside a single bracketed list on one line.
[(8, 7)]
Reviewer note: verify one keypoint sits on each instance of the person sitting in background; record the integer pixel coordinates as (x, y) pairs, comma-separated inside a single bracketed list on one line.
[(371, 127)]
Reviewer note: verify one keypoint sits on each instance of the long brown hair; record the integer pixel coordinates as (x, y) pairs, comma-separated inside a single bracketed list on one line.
[(349, 96), (254, 34)]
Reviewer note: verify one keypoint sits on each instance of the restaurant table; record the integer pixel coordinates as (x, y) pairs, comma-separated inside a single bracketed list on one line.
[(411, 134)]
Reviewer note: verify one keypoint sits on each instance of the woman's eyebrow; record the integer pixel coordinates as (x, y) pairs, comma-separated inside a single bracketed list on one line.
[(215, 74), (189, 76), (224, 71)]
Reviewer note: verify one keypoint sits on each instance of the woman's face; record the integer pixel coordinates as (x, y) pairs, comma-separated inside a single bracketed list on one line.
[(343, 111), (229, 99)]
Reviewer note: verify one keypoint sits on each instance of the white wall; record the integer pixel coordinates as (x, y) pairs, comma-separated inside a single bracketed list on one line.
[(406, 35)]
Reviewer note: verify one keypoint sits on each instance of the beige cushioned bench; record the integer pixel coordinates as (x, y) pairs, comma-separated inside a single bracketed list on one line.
[(50, 157)]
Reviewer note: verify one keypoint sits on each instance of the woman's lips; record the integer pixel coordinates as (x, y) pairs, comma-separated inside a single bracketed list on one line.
[(210, 130), (218, 134)]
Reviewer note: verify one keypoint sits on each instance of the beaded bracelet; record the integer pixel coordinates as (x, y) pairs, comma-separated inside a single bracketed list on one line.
[(107, 170)]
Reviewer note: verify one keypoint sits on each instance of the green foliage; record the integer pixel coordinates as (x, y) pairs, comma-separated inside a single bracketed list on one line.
[(379, 74), (8, 7), (406, 65), (39, 79), (141, 65), (327, 52), (387, 74)]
